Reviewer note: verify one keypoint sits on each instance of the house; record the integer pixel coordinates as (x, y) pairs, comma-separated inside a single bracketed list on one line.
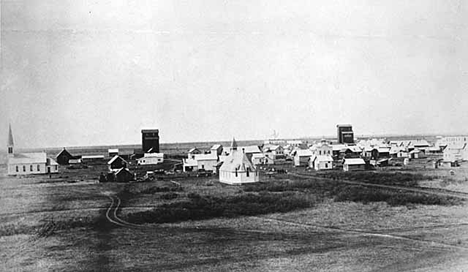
[(123, 175), (200, 161), (353, 164), (274, 152), (321, 162), (371, 152), (237, 168), (336, 148), (116, 163), (28, 163), (151, 158), (258, 158), (302, 157), (216, 149), (454, 153), (384, 151), (417, 154), (63, 157), (420, 144), (350, 152)]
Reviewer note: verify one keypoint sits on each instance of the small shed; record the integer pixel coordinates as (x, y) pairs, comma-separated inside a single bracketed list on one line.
[(354, 164)]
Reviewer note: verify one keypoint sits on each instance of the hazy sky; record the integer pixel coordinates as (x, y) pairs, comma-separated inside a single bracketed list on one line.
[(96, 72)]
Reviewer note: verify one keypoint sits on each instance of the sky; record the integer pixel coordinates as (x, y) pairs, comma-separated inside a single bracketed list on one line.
[(79, 73)]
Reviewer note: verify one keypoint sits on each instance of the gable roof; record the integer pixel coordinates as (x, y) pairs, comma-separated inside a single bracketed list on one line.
[(303, 153), (322, 158), (354, 161), (421, 143), (250, 149), (51, 162), (26, 158), (216, 146), (64, 151), (194, 150), (121, 170), (115, 158)]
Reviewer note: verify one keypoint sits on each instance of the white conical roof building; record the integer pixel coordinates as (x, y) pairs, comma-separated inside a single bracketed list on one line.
[(237, 168)]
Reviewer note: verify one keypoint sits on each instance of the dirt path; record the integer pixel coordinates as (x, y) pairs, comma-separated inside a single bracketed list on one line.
[(111, 214)]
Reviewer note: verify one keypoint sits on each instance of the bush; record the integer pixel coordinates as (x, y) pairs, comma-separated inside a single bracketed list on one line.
[(204, 207), (169, 196)]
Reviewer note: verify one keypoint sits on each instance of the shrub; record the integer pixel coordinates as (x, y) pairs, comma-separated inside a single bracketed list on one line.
[(204, 207), (169, 196)]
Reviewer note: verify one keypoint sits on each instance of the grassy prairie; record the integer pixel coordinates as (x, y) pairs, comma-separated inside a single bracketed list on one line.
[(59, 224)]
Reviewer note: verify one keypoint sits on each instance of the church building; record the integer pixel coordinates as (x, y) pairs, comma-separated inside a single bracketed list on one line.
[(28, 163), (237, 168)]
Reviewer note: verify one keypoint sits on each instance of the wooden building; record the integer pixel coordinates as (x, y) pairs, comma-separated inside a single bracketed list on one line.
[(64, 157), (237, 168), (116, 163), (354, 164)]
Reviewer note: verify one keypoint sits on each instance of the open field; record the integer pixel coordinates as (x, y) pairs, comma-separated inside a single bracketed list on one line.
[(60, 224)]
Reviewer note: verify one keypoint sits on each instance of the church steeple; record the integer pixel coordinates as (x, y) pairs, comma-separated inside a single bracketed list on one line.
[(11, 144), (233, 144)]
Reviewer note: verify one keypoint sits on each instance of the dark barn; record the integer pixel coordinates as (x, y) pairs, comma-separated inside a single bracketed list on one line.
[(63, 157)]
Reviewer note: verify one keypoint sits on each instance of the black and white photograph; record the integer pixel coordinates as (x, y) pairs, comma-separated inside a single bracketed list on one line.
[(234, 135)]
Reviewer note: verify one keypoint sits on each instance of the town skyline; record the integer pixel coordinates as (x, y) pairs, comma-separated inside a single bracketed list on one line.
[(83, 74)]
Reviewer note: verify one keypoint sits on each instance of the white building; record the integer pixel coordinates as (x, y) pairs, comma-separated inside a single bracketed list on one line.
[(151, 158), (322, 148), (201, 161), (237, 168), (258, 158), (302, 157), (28, 163), (354, 164), (321, 162)]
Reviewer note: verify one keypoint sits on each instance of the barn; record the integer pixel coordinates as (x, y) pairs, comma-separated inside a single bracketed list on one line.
[(63, 157), (116, 163)]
